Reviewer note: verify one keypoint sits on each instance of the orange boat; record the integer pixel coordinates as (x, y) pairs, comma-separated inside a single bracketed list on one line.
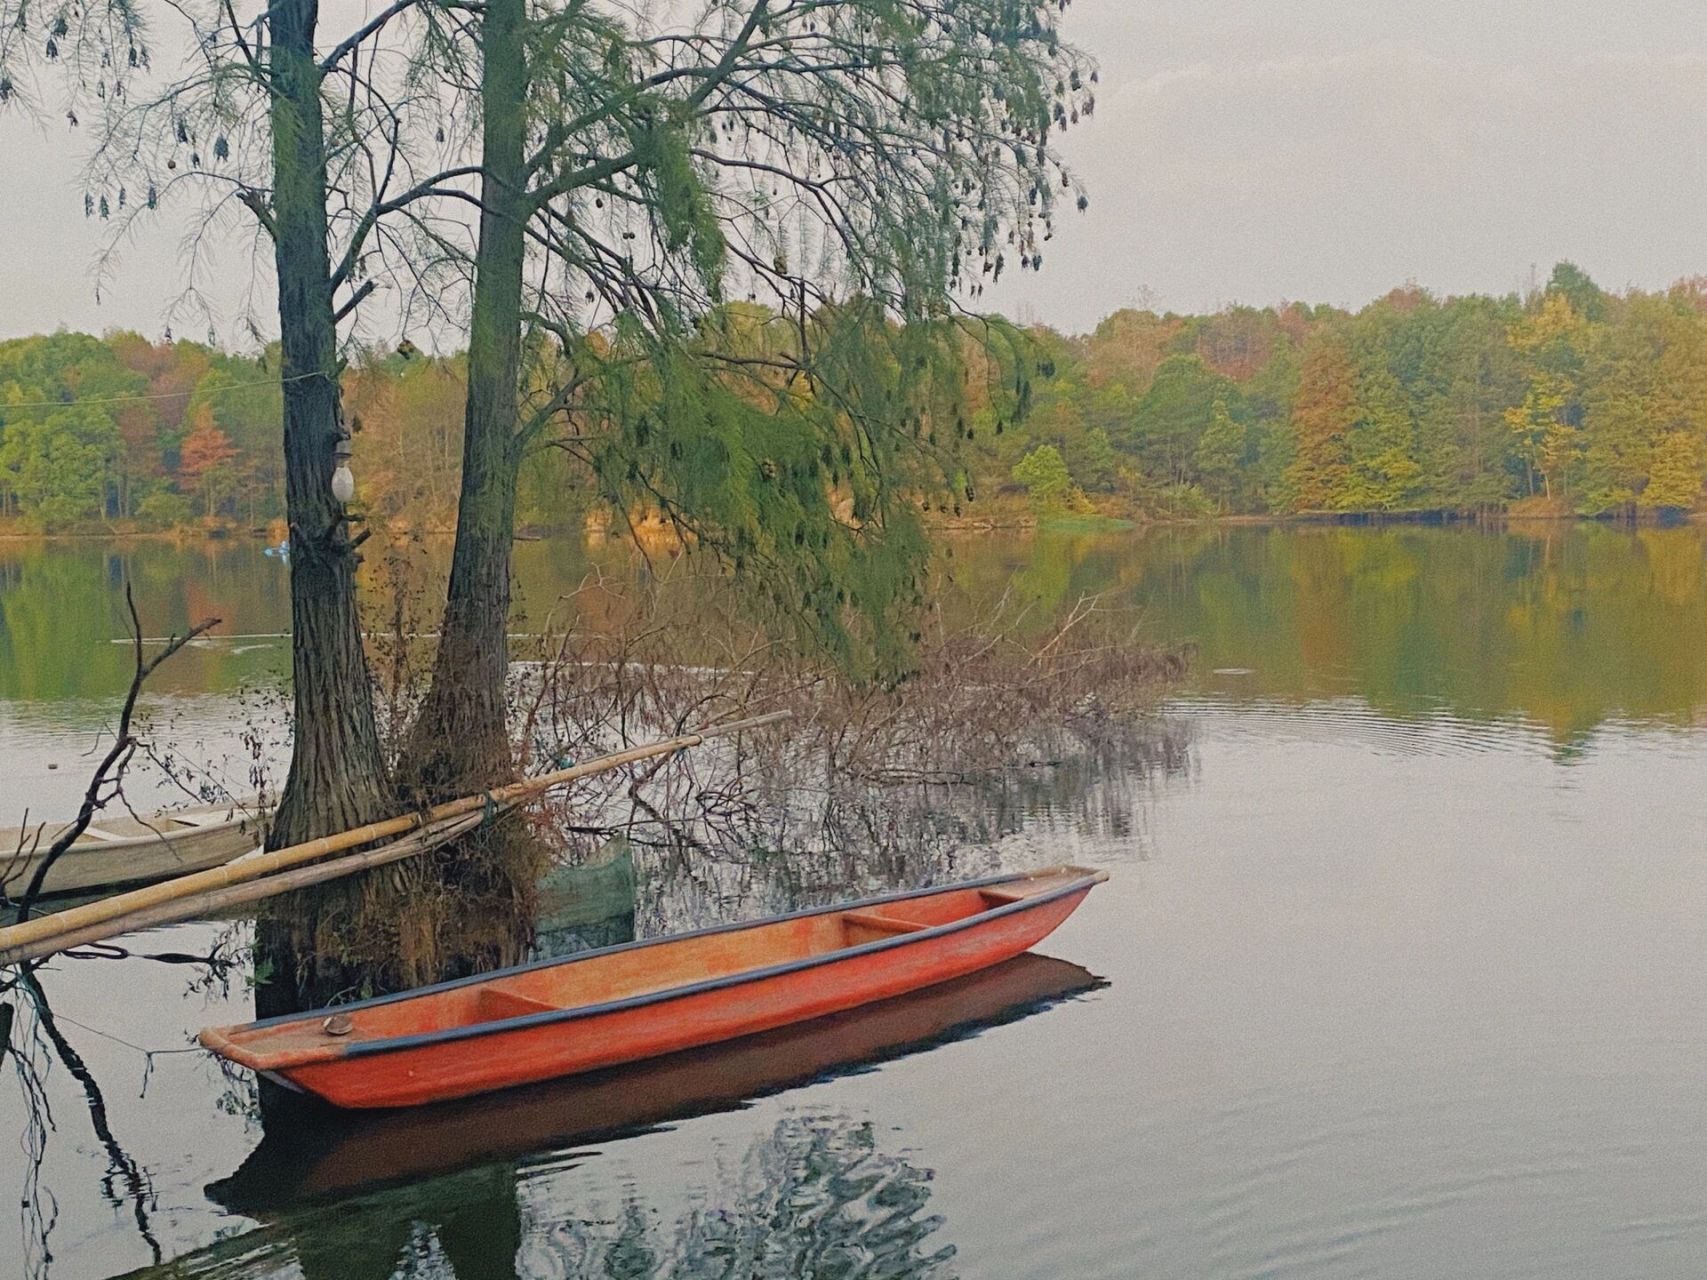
[(311, 1152), (639, 1000)]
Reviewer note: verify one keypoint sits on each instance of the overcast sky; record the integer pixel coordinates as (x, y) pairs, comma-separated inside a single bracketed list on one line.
[(1242, 151)]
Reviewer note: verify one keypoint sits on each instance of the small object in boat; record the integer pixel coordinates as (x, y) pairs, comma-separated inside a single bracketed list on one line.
[(339, 1024), (641, 1000)]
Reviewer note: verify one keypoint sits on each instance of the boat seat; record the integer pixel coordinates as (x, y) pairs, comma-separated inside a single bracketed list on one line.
[(495, 1005), (95, 833), (874, 920), (1001, 897), (881, 925), (202, 819)]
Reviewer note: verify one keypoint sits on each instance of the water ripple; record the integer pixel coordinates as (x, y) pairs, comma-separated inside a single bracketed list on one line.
[(1354, 722)]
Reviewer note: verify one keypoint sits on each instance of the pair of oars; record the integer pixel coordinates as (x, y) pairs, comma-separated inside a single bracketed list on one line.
[(251, 879)]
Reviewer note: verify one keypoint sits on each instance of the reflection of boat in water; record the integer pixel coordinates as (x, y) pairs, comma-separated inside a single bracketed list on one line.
[(312, 1152), (641, 1000), (120, 849)]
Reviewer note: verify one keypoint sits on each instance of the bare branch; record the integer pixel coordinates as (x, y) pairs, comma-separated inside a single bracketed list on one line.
[(109, 773)]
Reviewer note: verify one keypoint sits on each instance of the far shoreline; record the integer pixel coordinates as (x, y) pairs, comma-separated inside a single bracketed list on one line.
[(1007, 521)]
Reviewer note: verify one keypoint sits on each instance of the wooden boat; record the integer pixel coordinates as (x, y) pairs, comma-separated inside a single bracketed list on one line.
[(640, 1000), (313, 1153), (119, 849)]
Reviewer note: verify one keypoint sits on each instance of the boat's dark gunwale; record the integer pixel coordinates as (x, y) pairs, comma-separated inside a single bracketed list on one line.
[(468, 1031)]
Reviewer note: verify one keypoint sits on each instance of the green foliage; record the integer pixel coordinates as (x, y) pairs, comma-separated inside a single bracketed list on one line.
[(134, 403), (807, 484), (1585, 296), (1382, 473), (1574, 398), (859, 167), (1184, 501), (1674, 479), (1173, 414), (54, 464), (806, 454), (164, 509), (1220, 454), (1096, 464), (1045, 477)]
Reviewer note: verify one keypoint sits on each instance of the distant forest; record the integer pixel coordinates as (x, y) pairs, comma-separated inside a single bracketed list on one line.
[(1568, 401)]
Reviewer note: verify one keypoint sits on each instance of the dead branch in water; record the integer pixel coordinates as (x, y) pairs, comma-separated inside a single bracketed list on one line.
[(107, 784), (996, 686)]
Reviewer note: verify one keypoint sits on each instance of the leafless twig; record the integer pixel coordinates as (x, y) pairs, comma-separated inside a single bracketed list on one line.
[(108, 778)]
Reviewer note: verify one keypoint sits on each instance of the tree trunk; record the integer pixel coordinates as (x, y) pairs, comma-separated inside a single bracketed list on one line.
[(460, 741), (337, 771), (461, 738)]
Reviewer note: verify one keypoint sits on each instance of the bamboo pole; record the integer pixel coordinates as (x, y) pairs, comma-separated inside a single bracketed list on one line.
[(16, 939), (212, 900)]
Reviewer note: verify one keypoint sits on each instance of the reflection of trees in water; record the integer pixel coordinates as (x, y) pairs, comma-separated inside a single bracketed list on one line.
[(60, 604), (1566, 624), (32, 1043), (805, 839), (813, 1198)]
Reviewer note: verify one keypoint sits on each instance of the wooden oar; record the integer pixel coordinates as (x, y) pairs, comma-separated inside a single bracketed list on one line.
[(31, 939)]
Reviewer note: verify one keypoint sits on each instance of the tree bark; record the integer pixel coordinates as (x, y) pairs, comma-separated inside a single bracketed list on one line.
[(481, 890), (337, 776), (461, 739)]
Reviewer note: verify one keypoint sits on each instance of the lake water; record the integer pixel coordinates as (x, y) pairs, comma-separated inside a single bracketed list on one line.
[(1398, 972)]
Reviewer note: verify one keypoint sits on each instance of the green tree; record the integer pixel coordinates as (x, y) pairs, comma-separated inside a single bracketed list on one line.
[(1584, 295), (1044, 474), (1546, 426), (1382, 472), (56, 462), (1173, 415), (1468, 376), (1322, 416), (1096, 462), (1674, 481), (1221, 454), (1645, 391), (707, 156)]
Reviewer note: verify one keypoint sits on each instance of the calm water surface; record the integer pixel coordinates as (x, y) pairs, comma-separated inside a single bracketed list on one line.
[(1398, 974)]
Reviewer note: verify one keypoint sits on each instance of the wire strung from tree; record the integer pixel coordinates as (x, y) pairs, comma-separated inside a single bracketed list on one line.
[(154, 395)]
